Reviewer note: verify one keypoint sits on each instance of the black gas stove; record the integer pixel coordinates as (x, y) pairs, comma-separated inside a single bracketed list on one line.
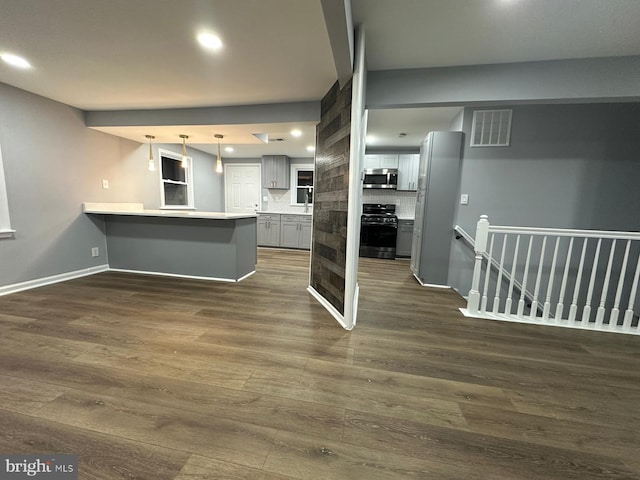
[(378, 231)]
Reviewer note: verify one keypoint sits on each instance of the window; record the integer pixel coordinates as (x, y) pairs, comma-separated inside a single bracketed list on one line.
[(302, 190), (5, 224), (176, 182)]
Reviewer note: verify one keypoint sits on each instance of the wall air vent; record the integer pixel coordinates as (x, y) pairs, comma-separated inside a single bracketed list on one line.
[(491, 128)]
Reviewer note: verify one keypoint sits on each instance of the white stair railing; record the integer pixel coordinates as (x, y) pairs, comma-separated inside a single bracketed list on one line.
[(587, 268)]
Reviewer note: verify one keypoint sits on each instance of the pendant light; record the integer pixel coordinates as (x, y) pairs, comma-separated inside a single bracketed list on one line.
[(185, 160), (219, 160), (152, 163)]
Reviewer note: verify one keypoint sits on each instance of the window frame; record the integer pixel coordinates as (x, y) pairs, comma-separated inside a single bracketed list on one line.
[(188, 181), (5, 221), (294, 180)]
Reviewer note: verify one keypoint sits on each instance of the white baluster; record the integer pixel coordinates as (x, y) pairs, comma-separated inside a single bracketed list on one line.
[(615, 311), (605, 287), (483, 305), (525, 275), (552, 273), (496, 300), (563, 287), (482, 232), (573, 309), (628, 314), (507, 307), (534, 304), (586, 312)]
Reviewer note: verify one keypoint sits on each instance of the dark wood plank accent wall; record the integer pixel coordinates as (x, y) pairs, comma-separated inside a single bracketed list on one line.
[(329, 249)]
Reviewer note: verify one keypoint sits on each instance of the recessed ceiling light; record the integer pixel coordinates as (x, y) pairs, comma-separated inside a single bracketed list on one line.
[(209, 41), (311, 148), (15, 60), (370, 139), (296, 133), (228, 149)]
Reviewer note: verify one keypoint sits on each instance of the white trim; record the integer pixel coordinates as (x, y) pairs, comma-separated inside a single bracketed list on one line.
[(188, 176), (294, 169), (245, 276), (330, 308), (5, 220), (566, 232), (551, 323), (432, 285), (178, 275), (359, 117), (41, 282)]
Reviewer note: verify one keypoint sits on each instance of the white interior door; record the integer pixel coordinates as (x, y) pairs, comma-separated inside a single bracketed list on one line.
[(242, 187)]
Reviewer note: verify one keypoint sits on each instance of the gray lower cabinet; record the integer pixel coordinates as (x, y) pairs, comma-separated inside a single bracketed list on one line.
[(283, 230), (295, 231), (269, 230), (405, 238)]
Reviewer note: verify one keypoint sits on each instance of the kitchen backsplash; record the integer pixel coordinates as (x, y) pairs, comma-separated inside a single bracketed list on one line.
[(405, 201), (280, 201)]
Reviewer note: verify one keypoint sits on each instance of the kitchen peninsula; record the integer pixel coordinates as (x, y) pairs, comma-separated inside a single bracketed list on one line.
[(206, 245)]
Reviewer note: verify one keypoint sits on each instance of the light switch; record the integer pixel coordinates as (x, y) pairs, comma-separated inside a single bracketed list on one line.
[(265, 199), (105, 183), (464, 199)]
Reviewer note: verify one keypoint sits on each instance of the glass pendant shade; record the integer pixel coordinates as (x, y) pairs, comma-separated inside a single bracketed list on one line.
[(185, 160), (152, 163), (219, 160)]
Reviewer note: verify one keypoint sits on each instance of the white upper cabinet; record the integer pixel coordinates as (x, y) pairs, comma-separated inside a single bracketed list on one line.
[(387, 160), (408, 165), (371, 161)]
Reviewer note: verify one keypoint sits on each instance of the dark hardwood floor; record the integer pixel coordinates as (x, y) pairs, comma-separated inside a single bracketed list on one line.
[(155, 378)]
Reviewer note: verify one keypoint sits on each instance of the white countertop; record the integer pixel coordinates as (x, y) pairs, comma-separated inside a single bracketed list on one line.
[(270, 212), (137, 209)]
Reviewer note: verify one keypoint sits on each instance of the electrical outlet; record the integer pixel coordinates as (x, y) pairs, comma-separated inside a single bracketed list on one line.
[(105, 184), (464, 199), (95, 252)]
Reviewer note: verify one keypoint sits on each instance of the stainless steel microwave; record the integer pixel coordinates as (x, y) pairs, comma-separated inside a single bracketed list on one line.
[(381, 178)]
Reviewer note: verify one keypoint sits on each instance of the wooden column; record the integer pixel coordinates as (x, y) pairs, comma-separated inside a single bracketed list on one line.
[(331, 193)]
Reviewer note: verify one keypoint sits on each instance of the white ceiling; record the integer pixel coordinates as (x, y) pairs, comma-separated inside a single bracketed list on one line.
[(385, 126), (127, 54), (239, 137)]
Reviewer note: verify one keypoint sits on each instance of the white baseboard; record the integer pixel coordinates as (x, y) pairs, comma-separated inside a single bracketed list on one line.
[(63, 277), (41, 282), (178, 275), (330, 308), (432, 285)]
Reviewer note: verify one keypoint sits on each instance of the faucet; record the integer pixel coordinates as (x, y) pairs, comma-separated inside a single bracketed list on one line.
[(306, 199)]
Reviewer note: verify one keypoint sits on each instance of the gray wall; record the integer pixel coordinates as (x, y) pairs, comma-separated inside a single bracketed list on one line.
[(612, 79), (53, 163), (568, 166)]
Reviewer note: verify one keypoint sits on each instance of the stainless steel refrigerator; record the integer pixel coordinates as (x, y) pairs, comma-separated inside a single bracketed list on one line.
[(438, 190)]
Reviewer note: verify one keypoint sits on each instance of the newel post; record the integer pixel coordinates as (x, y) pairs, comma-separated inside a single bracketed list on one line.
[(482, 235)]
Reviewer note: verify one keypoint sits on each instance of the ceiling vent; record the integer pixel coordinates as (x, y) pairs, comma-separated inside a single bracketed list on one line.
[(491, 128), (276, 140)]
